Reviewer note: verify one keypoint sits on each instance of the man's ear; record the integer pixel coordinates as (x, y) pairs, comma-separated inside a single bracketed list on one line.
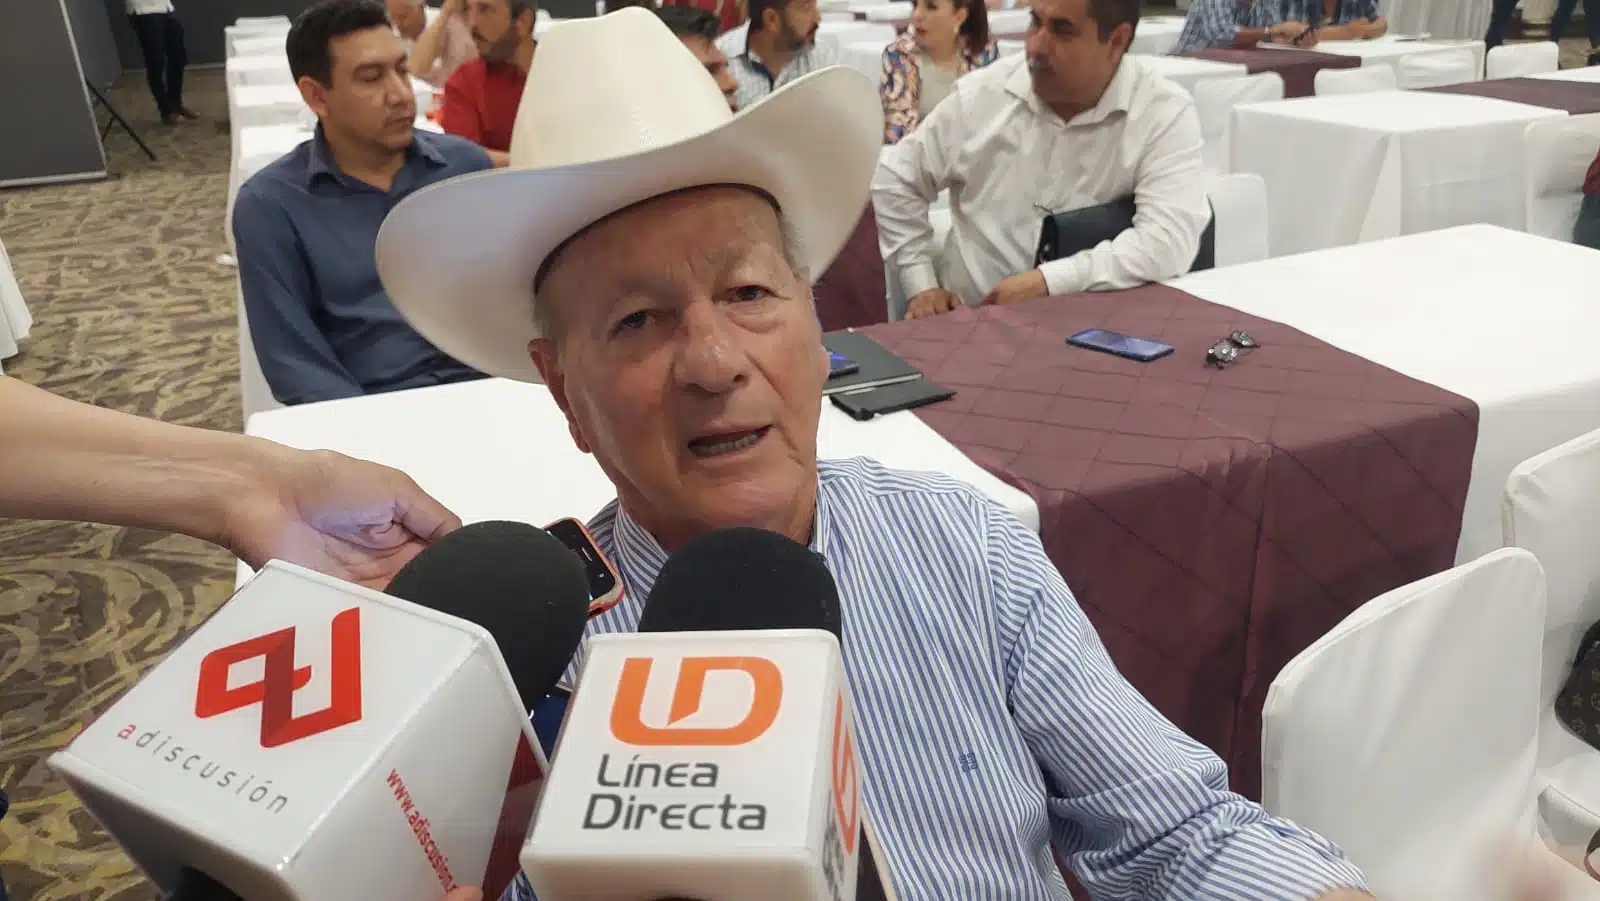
[(546, 359), (314, 93)]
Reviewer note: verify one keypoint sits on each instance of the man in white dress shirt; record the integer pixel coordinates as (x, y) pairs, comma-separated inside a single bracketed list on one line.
[(155, 24), (1073, 123)]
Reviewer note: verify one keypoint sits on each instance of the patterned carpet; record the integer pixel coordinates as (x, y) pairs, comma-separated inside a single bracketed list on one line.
[(133, 312), (130, 311)]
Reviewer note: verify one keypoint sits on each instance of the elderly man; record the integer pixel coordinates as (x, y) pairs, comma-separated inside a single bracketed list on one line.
[(436, 50), (481, 98), (1075, 122), (650, 263)]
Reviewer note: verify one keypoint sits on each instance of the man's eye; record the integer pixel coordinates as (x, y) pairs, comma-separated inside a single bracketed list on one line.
[(631, 322), (750, 292)]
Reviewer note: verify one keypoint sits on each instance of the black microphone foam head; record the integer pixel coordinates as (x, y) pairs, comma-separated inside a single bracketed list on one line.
[(742, 578), (516, 581)]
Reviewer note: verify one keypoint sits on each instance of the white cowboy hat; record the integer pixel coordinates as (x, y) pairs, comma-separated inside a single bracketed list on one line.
[(616, 111)]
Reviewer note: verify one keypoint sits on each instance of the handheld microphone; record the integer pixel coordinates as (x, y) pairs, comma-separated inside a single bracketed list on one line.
[(315, 739), (713, 755)]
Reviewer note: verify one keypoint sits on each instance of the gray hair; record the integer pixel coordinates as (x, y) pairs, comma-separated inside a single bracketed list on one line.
[(793, 254)]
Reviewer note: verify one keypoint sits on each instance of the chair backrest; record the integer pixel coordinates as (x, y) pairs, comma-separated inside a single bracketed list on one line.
[(1549, 509), (1558, 155), (1362, 80), (1408, 733), (1239, 205), (1516, 60), (1437, 68), (1214, 100)]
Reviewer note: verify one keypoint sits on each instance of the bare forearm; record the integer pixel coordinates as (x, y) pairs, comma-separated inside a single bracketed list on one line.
[(64, 460), (425, 52), (1249, 37)]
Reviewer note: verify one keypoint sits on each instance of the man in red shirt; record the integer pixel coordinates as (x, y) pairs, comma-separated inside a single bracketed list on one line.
[(481, 98)]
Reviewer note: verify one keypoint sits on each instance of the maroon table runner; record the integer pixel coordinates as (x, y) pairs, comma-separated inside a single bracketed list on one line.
[(1578, 98), (851, 293), (1212, 523), (1299, 68)]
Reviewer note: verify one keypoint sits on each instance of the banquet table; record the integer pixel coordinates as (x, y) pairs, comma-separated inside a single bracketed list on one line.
[(499, 449), (1156, 35), (1587, 74), (1575, 98), (1298, 68), (256, 44), (15, 320), (1188, 71), (260, 68), (1215, 523), (233, 34), (1391, 48), (1356, 167)]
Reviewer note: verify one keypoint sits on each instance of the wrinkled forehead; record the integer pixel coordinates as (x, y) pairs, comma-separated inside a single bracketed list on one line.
[(673, 215)]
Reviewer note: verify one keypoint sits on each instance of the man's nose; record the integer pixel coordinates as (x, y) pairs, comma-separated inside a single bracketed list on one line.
[(711, 357), (1037, 43)]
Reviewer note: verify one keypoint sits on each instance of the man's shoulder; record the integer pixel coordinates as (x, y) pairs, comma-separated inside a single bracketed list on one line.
[(284, 175), (460, 154), (869, 488)]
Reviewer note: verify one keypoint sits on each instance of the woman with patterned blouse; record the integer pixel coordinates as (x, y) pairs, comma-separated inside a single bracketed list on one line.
[(946, 40)]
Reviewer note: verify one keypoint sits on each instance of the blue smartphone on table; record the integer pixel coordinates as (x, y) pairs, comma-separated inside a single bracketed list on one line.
[(1106, 341)]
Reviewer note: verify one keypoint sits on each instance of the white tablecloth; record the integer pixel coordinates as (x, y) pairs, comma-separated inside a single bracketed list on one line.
[(257, 44), (266, 104), (1462, 19), (499, 449), (1498, 316), (1357, 167), (260, 68), (1156, 35), (1387, 50), (15, 321), (257, 34), (1586, 73), (1186, 70)]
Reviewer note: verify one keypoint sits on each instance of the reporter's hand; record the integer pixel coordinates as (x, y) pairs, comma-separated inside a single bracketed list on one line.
[(348, 518), (931, 302)]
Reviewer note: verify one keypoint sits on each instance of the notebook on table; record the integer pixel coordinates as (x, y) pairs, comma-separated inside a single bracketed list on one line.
[(876, 366)]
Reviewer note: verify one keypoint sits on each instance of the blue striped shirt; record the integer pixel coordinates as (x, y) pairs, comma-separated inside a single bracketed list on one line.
[(992, 722), (1216, 23), (1312, 12)]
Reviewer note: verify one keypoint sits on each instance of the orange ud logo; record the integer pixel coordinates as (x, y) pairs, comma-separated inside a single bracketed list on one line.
[(280, 680), (846, 784), (627, 711)]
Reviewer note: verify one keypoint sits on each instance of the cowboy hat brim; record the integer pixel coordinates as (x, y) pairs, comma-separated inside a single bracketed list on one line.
[(459, 258)]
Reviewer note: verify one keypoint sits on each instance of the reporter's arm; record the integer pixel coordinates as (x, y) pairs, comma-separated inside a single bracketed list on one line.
[(64, 460)]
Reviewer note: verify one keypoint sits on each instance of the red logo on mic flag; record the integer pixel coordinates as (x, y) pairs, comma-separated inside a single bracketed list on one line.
[(281, 679)]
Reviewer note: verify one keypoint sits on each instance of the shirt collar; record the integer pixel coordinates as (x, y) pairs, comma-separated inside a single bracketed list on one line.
[(1118, 94), (639, 557), (322, 164)]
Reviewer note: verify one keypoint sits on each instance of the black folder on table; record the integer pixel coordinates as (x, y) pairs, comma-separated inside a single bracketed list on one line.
[(879, 367)]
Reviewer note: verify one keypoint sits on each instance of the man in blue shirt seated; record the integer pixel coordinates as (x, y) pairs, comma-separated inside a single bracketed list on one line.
[(306, 225), (1339, 20), (659, 282), (1239, 24)]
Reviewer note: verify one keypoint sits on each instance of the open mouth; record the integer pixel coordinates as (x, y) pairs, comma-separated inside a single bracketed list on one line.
[(727, 443)]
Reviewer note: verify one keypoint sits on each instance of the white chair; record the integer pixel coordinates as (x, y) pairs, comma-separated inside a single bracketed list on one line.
[(1214, 100), (1239, 203), (1550, 510), (1559, 152), (1438, 68), (1408, 734), (1516, 60), (1361, 80)]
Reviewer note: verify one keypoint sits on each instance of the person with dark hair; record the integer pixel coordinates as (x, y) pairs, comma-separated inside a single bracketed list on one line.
[(155, 23), (1074, 122), (779, 46), (697, 29), (946, 40), (481, 98), (306, 226), (1240, 24), (1338, 20)]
